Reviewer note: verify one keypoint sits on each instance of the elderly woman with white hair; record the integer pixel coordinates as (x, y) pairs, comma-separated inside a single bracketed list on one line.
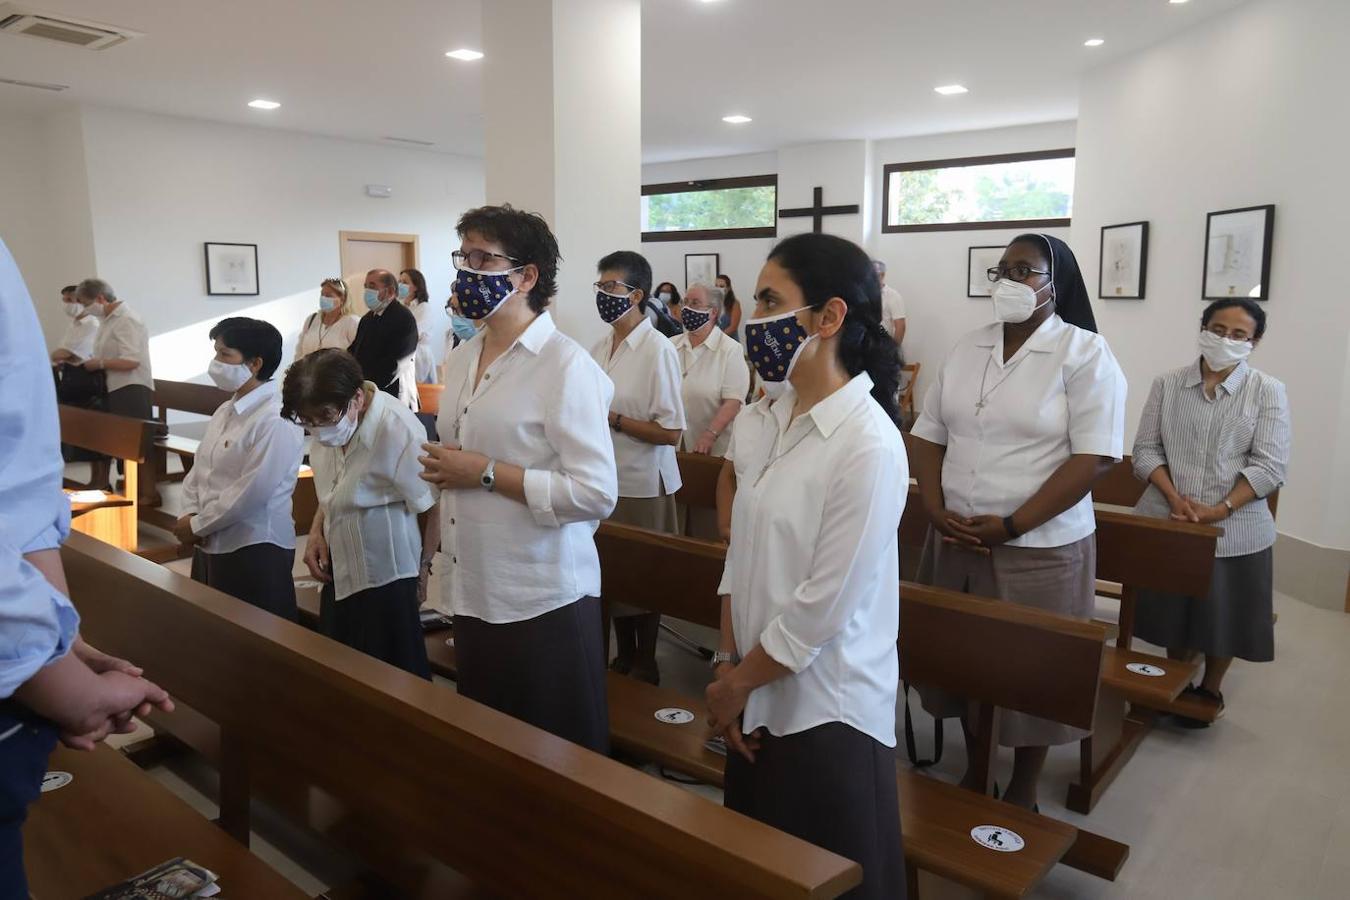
[(715, 379)]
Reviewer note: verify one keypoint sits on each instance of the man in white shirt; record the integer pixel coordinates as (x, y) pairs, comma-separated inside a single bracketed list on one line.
[(77, 344), (892, 306)]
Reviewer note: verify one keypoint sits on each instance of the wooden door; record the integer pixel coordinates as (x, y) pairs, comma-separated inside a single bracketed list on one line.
[(361, 251)]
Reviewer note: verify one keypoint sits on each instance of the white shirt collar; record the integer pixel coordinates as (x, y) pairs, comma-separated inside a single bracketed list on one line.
[(538, 333), (639, 333), (250, 401), (828, 414)]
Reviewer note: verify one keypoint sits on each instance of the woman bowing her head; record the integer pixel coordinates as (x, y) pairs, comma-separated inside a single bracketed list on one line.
[(806, 671), (1027, 413)]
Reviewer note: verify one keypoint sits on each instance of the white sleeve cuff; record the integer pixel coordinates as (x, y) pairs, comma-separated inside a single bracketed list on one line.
[(785, 649), (538, 497)]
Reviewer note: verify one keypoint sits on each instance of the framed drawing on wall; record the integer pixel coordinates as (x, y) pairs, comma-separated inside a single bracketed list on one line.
[(979, 260), (701, 268), (232, 270), (1124, 261), (1237, 252)]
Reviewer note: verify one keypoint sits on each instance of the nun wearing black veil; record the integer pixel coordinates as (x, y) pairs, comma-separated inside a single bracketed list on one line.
[(1026, 414)]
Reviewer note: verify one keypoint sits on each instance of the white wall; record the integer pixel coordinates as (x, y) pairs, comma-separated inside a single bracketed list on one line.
[(1244, 110), (25, 220), (929, 268), (158, 187), (740, 260)]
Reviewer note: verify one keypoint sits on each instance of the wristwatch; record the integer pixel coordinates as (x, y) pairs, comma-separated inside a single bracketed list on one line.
[(1229, 503), (615, 424), (489, 477), (722, 656)]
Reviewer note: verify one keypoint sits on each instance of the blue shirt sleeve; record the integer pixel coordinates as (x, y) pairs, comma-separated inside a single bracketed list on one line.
[(38, 625)]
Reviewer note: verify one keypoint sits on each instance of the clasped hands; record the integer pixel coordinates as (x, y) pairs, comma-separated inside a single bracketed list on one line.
[(1188, 509), (726, 698), (976, 533), (450, 467)]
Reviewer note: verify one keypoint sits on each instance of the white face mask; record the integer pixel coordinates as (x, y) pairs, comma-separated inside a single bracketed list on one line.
[(339, 433), (1015, 302), (73, 309), (227, 376), (97, 310), (1223, 353)]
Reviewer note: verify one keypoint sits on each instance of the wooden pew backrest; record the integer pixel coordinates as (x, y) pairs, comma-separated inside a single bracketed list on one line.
[(1001, 654), (185, 396), (699, 473), (676, 575), (116, 436), (515, 809), (1155, 554)]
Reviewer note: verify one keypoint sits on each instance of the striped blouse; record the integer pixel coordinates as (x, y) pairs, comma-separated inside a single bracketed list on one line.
[(1208, 444)]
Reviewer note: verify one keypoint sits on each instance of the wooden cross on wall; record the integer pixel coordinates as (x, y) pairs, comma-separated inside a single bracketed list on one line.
[(818, 211)]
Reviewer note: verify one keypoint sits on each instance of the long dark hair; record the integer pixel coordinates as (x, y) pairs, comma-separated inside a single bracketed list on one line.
[(826, 266), (730, 299), (419, 283), (674, 291)]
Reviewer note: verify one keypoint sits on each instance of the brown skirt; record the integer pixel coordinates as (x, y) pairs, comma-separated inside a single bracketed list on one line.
[(654, 513), (1055, 579)]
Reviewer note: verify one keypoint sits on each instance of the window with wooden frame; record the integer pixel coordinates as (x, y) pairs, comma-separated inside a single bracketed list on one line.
[(1010, 190), (711, 209)]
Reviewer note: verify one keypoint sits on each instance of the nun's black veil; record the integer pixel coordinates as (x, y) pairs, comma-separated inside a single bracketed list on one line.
[(1071, 296)]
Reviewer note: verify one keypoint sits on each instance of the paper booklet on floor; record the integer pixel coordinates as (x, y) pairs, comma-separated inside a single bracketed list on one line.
[(177, 879)]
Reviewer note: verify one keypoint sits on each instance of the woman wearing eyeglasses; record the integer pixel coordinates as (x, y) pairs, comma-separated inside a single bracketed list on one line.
[(647, 420), (1026, 414), (365, 545), (526, 473)]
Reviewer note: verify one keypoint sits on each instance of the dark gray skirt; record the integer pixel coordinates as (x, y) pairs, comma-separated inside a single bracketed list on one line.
[(259, 574), (381, 622), (548, 671), (135, 401), (833, 786), (1236, 619)]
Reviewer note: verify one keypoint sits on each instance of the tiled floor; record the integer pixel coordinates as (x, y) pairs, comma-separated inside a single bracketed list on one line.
[(1257, 806)]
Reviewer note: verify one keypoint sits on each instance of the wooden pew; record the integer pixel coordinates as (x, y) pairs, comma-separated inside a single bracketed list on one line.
[(113, 822), (182, 396), (679, 576), (120, 438), (699, 473), (516, 810)]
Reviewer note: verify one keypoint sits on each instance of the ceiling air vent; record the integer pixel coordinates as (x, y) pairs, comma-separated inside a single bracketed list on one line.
[(88, 35)]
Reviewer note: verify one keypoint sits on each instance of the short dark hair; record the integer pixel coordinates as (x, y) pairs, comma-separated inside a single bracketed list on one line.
[(419, 285), (1250, 307), (254, 339), (637, 272), (321, 385), (69, 289), (525, 237), (385, 278)]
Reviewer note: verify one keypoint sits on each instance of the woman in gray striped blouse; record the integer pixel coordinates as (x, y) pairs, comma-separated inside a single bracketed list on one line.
[(1213, 444)]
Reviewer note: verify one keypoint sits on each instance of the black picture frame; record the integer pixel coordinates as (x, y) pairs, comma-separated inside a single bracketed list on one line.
[(1239, 226), (230, 271), (700, 261), (1139, 263), (976, 273)]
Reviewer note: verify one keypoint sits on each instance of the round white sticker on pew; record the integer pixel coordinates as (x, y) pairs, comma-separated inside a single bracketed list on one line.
[(1145, 669), (995, 837), (672, 715), (53, 781)]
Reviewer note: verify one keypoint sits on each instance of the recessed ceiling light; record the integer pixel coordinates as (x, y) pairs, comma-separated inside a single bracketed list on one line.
[(1176, 1), (947, 90), (736, 120), (465, 55), (1093, 42), (264, 104)]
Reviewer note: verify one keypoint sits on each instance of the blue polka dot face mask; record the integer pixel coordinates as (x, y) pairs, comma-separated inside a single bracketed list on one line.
[(612, 306), (479, 294), (774, 343)]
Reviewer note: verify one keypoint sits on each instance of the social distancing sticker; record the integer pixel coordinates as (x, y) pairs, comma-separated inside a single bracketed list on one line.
[(996, 837), (1146, 669), (672, 715), (53, 781)]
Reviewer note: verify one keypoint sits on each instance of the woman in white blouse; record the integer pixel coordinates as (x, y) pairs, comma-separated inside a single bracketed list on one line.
[(1025, 415), (1213, 445), (647, 419), (714, 376), (365, 545), (412, 293), (77, 344), (333, 326), (526, 472), (237, 496), (806, 672)]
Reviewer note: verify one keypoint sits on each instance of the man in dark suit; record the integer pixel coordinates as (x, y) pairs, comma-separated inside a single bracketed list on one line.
[(387, 334)]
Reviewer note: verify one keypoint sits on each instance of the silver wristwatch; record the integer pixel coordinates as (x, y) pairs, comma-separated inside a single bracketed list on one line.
[(489, 477), (722, 656)]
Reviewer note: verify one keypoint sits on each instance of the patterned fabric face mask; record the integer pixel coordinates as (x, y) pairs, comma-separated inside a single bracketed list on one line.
[(479, 294), (694, 319), (611, 306), (774, 343)]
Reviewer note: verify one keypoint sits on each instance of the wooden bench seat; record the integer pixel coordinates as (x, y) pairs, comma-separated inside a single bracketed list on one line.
[(114, 821), (109, 500)]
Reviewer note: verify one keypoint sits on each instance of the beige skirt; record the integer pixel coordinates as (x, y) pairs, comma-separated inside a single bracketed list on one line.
[(1056, 579), (655, 513)]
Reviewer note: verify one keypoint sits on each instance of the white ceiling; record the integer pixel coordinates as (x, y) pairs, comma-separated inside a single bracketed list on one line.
[(805, 70)]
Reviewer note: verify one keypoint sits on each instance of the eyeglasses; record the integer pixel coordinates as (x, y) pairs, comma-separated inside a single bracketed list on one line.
[(617, 288), (476, 259), (1018, 272)]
